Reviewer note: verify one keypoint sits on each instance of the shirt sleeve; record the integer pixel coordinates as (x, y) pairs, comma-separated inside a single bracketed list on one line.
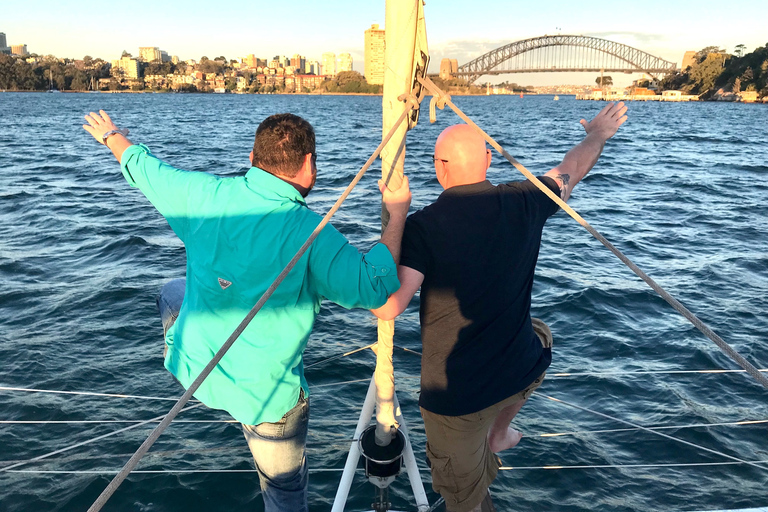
[(546, 207), (170, 190), (348, 277), (413, 251)]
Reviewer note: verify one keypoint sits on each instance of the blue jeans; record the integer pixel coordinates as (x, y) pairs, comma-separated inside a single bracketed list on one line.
[(279, 449)]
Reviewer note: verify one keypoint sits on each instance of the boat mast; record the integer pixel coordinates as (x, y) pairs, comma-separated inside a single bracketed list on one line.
[(401, 31)]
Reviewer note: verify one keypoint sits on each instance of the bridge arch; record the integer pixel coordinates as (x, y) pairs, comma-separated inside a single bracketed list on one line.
[(596, 55)]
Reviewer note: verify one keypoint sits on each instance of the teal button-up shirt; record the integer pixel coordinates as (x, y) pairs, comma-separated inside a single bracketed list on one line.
[(243, 231)]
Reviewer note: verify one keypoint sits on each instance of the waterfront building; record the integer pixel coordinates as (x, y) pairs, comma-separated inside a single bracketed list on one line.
[(298, 62), (19, 49), (4, 44), (282, 61), (374, 55), (329, 64), (312, 68), (126, 67), (175, 60), (150, 54), (345, 62), (164, 57), (251, 61), (274, 64)]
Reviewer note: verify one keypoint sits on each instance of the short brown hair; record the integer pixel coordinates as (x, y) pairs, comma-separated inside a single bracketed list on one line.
[(282, 141)]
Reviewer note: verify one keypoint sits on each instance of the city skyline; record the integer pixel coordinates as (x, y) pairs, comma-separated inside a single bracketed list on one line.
[(454, 30)]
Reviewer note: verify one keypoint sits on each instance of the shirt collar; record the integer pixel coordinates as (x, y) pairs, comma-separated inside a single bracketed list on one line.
[(262, 180), (467, 190)]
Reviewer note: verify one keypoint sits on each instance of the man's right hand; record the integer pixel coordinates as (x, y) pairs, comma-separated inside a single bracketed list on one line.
[(607, 122), (397, 201)]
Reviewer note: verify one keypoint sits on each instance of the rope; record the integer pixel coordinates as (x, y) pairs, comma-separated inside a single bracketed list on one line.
[(352, 422), (624, 466), (68, 448), (647, 372), (646, 429), (340, 470), (133, 461), (113, 395), (727, 349), (666, 427)]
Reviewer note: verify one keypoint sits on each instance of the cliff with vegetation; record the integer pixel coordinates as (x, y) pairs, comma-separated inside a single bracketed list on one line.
[(715, 73)]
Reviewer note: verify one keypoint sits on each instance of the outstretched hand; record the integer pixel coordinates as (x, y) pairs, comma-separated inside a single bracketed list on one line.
[(607, 122), (98, 125), (397, 201)]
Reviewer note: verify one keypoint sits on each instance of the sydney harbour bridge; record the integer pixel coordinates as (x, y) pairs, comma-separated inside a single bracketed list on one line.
[(563, 53)]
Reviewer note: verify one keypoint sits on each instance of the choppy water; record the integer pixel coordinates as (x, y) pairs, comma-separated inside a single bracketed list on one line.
[(681, 190)]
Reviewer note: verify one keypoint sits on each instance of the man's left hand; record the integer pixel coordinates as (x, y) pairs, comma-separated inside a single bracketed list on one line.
[(607, 122)]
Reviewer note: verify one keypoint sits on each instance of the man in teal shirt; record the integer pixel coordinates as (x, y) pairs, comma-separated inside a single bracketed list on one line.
[(239, 233)]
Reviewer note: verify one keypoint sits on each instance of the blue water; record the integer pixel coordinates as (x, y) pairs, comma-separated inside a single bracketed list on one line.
[(681, 190)]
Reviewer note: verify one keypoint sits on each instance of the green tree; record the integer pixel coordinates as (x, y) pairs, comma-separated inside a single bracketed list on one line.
[(603, 81), (125, 54), (739, 50)]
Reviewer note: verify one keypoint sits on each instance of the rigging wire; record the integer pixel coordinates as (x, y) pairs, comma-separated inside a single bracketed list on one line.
[(646, 429), (83, 443), (425, 470)]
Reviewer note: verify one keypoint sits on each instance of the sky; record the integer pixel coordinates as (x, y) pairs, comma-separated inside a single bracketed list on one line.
[(456, 29)]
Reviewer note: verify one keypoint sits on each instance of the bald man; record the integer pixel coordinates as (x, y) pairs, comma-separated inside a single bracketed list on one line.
[(473, 253)]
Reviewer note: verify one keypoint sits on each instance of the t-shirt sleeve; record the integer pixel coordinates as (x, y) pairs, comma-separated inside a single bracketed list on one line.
[(545, 206), (413, 251), (169, 189), (348, 277)]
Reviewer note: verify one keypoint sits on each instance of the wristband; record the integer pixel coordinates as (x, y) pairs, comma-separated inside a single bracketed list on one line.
[(108, 135)]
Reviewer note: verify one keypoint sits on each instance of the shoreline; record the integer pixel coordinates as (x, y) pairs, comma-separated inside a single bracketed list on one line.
[(763, 101)]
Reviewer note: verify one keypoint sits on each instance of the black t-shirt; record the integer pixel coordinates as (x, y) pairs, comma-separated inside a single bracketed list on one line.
[(477, 246)]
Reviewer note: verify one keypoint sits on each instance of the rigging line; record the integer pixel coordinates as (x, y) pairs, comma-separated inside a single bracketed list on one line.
[(87, 393), (133, 461), (340, 470), (161, 471), (339, 356), (630, 466), (104, 436), (336, 423), (701, 326), (87, 422), (695, 425), (655, 432), (646, 372)]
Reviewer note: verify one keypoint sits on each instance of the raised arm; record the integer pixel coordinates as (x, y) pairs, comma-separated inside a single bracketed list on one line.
[(101, 126), (580, 160), (397, 203)]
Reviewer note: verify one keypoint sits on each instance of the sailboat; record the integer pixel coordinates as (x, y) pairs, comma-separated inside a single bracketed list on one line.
[(51, 88)]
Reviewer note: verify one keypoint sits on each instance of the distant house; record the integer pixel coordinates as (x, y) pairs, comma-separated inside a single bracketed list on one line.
[(748, 96), (672, 95)]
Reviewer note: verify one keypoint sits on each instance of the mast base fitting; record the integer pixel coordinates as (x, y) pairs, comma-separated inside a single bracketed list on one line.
[(382, 463)]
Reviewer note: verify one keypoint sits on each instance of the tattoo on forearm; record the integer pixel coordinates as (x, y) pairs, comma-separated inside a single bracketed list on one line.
[(564, 180)]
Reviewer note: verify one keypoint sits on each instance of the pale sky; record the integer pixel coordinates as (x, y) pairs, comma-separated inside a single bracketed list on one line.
[(456, 29)]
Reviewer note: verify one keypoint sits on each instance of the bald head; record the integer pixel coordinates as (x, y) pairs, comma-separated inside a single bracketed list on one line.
[(466, 155)]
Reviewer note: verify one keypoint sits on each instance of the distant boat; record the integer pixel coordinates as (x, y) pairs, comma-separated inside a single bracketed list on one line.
[(50, 82), (557, 98), (521, 95)]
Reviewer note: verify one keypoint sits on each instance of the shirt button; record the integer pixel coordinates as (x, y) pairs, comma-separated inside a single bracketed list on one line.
[(385, 271)]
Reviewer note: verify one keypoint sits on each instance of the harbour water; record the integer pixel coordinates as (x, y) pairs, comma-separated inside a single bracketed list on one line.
[(680, 190)]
